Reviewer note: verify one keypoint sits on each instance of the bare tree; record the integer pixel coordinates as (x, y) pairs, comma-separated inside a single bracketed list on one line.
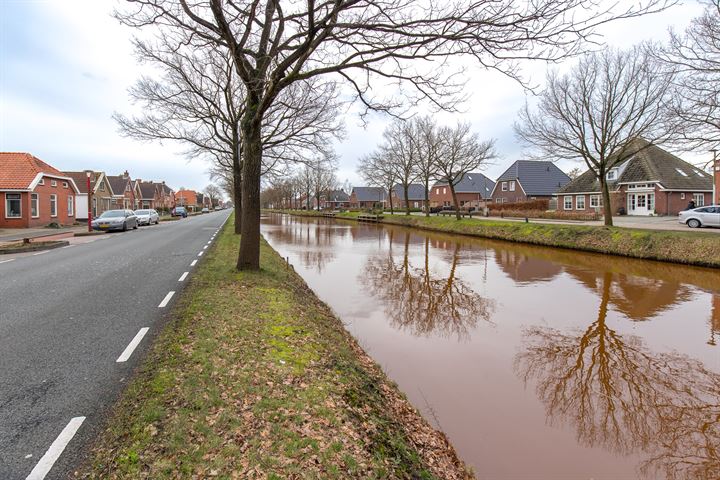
[(377, 171), (323, 176), (214, 193), (425, 134), (696, 56), (460, 152), (574, 173), (607, 109), (275, 44), (399, 151)]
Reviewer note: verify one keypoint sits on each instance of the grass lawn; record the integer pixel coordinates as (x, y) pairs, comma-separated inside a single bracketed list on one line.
[(254, 377), (691, 248)]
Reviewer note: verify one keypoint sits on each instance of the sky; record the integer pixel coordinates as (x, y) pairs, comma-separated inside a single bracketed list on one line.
[(66, 66)]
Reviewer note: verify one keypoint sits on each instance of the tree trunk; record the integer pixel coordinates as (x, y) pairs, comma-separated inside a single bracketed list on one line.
[(455, 200), (249, 256), (427, 198), (392, 210), (607, 208), (237, 190), (407, 200)]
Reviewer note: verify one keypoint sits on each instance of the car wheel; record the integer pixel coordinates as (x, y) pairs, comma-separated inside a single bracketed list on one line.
[(124, 227), (693, 223)]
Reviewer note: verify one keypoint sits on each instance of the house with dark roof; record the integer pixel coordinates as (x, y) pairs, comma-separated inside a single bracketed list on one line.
[(335, 200), (416, 196), (33, 193), (122, 191), (473, 190), (146, 193), (651, 182), (100, 193), (368, 197), (527, 180), (164, 196)]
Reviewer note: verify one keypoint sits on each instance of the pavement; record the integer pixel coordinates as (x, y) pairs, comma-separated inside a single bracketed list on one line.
[(12, 234), (75, 322)]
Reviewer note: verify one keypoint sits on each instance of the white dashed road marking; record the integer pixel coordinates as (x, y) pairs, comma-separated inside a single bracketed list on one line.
[(5, 261), (192, 264), (200, 254), (166, 299), (125, 355), (53, 453), (183, 277), (40, 253)]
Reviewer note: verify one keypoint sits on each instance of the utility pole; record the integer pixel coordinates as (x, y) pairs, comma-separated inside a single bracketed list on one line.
[(89, 200)]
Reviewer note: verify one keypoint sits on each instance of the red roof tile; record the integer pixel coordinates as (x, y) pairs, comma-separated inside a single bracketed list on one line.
[(18, 170)]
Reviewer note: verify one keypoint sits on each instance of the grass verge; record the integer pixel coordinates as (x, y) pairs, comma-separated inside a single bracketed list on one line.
[(254, 377), (690, 248)]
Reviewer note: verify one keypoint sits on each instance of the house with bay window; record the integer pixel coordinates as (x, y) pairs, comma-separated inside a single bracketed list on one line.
[(651, 182), (33, 193)]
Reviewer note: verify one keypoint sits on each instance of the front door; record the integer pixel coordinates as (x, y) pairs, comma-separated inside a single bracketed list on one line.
[(641, 203)]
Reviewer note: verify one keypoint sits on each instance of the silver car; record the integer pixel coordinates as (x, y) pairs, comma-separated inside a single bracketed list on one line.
[(701, 217), (115, 220), (147, 216)]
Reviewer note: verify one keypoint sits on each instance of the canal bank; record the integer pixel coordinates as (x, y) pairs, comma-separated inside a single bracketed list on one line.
[(254, 377), (689, 248)]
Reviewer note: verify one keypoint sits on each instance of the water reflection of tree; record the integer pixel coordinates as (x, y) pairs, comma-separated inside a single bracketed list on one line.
[(619, 395), (418, 300)]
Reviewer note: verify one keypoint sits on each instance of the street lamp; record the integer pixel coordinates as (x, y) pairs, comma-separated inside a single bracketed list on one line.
[(89, 200)]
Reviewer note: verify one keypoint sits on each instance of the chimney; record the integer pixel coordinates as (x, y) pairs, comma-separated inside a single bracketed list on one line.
[(126, 174)]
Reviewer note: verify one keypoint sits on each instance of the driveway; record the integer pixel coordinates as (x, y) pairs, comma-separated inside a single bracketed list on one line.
[(74, 324)]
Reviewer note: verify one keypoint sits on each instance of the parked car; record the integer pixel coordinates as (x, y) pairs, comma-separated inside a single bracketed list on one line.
[(701, 217), (205, 210), (147, 216), (115, 220), (179, 212)]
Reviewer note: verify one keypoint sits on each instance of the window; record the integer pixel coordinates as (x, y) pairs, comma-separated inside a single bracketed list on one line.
[(71, 205), (53, 205), (504, 186), (682, 196), (13, 205), (612, 175), (512, 185), (41, 182), (65, 185), (595, 201), (102, 187), (567, 202), (34, 205), (699, 199), (53, 183), (580, 202), (437, 191), (651, 202), (443, 190)]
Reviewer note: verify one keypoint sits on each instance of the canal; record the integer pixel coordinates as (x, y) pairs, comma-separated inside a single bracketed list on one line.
[(536, 363)]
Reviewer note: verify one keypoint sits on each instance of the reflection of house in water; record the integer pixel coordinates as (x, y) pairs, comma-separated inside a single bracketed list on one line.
[(524, 268), (715, 320)]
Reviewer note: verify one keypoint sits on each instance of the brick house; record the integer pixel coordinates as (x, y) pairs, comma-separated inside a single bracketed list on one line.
[(335, 200), (164, 196), (368, 197), (100, 193), (146, 194), (527, 180), (652, 182), (123, 193), (416, 196), (34, 193), (187, 199), (473, 190)]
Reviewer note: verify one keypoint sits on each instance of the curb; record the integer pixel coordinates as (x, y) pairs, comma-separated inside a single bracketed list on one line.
[(35, 248)]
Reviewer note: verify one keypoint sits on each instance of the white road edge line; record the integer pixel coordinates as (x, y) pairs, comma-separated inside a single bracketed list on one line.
[(166, 299), (5, 261), (40, 253), (204, 247), (183, 277), (200, 254), (192, 264), (53, 453), (125, 355)]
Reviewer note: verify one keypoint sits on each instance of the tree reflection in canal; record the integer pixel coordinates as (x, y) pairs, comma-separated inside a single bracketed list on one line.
[(418, 300), (620, 395)]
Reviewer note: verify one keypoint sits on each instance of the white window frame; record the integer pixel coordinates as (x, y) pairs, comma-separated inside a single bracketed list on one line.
[(7, 204), (53, 203), (71, 205), (611, 175), (444, 191), (53, 183), (437, 191), (597, 201), (565, 202), (512, 185), (41, 182), (35, 198), (65, 185), (578, 201), (699, 199), (503, 186), (682, 196)]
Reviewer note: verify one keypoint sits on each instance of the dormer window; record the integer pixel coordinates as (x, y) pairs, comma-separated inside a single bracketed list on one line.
[(612, 175)]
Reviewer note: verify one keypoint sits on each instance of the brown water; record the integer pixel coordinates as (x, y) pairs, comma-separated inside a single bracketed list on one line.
[(537, 363)]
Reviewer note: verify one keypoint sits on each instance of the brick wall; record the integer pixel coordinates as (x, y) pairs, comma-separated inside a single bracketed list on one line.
[(43, 191), (441, 196)]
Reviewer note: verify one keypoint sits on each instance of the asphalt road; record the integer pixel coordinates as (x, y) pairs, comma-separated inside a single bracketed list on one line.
[(66, 317)]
